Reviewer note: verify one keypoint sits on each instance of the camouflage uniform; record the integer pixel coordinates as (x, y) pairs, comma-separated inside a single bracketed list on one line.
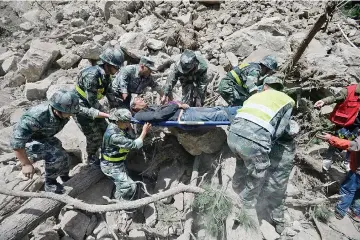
[(235, 94), (128, 81), (193, 83), (117, 143), (35, 132), (94, 83), (264, 160)]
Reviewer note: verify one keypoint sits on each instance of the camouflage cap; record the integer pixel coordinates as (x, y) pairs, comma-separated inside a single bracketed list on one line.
[(272, 81), (270, 62), (187, 62), (147, 62), (113, 57), (122, 115), (65, 101)]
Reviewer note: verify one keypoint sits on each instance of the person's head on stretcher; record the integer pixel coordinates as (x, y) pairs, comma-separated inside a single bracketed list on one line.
[(138, 104)]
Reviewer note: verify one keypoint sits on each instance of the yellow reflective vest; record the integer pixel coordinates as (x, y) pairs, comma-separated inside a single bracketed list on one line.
[(99, 94), (237, 77), (262, 107)]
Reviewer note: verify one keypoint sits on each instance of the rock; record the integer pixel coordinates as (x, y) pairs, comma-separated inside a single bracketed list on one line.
[(37, 91), (6, 55), (121, 14), (102, 188), (84, 63), (77, 22), (79, 38), (226, 31), (232, 58), (37, 60), (114, 21), (59, 16), (155, 44), (75, 224), (68, 60), (199, 23), (13, 79), (137, 235), (16, 115), (149, 23), (349, 53), (292, 190), (45, 231), (92, 225), (133, 44), (184, 19), (308, 233), (10, 64), (296, 226), (225, 63), (104, 7), (66, 238), (268, 231), (162, 60), (101, 39), (150, 215), (32, 16), (26, 26), (89, 51), (326, 110), (345, 226)]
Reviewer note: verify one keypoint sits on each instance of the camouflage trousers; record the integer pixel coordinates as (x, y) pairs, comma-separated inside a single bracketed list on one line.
[(262, 174), (231, 92), (125, 187), (57, 160), (189, 95), (93, 130)]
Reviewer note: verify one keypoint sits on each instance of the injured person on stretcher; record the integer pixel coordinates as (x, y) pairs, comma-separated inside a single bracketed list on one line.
[(176, 111)]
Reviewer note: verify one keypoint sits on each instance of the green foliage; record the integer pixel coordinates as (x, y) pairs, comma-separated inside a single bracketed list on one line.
[(245, 219), (351, 10), (322, 213), (215, 207)]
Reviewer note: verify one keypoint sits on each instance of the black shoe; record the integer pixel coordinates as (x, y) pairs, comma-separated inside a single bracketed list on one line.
[(51, 185), (338, 215), (65, 178)]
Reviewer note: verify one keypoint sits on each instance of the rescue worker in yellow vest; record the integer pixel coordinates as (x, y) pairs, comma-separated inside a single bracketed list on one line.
[(93, 84), (264, 148), (117, 142), (243, 80)]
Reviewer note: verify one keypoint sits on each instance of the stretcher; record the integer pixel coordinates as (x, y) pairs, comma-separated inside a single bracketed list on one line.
[(185, 124)]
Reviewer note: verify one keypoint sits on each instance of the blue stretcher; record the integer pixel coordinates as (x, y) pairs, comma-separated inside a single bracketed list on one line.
[(185, 124)]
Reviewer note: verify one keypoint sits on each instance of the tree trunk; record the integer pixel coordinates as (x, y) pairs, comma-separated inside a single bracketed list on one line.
[(37, 210)]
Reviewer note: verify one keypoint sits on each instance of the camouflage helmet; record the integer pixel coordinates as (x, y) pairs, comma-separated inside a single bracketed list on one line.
[(65, 102), (122, 115), (274, 82), (113, 57), (270, 62), (188, 61)]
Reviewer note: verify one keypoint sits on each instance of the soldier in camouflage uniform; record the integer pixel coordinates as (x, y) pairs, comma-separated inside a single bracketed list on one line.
[(191, 70), (264, 150), (117, 142), (92, 85), (33, 137), (134, 79), (242, 81)]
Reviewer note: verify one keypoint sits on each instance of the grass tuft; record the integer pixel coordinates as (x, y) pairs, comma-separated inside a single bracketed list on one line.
[(322, 213), (245, 220)]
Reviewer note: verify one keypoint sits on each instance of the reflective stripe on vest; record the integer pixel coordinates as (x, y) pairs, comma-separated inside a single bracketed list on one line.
[(99, 94), (237, 78), (262, 107), (123, 153)]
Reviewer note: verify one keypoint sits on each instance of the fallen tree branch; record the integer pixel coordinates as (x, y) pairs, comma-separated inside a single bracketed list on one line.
[(123, 205), (347, 39), (304, 202)]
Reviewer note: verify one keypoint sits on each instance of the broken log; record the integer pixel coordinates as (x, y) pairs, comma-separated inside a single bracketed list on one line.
[(36, 210), (326, 16)]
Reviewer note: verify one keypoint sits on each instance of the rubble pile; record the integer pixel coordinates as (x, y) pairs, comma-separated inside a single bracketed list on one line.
[(45, 44)]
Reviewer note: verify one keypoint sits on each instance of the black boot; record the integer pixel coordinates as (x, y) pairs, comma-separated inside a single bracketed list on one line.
[(65, 178), (51, 185)]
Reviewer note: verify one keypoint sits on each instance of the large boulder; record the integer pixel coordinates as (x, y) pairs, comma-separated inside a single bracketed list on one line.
[(75, 224), (133, 44), (203, 140), (37, 91), (37, 60), (46, 231), (89, 51), (68, 60)]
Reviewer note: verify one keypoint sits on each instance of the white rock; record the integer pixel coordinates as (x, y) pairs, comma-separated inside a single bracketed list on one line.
[(137, 235), (99, 38), (184, 19), (79, 38), (10, 64), (6, 55), (199, 23), (26, 26), (68, 60), (149, 23), (114, 21), (232, 58), (74, 224), (133, 44), (155, 44), (292, 190), (16, 115), (37, 59), (326, 110), (32, 16), (13, 79), (84, 63), (296, 225), (89, 51), (37, 91), (77, 22), (268, 231)]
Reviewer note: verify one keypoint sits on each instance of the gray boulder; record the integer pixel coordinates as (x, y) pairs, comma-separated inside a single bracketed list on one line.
[(89, 51), (133, 44), (75, 224), (37, 91), (68, 60)]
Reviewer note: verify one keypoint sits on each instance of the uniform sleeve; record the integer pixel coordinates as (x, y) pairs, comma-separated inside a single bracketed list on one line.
[(89, 112), (124, 142), (91, 85), (160, 114), (252, 80), (171, 80), (123, 81), (202, 83), (285, 115), (338, 97), (344, 143), (23, 131)]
